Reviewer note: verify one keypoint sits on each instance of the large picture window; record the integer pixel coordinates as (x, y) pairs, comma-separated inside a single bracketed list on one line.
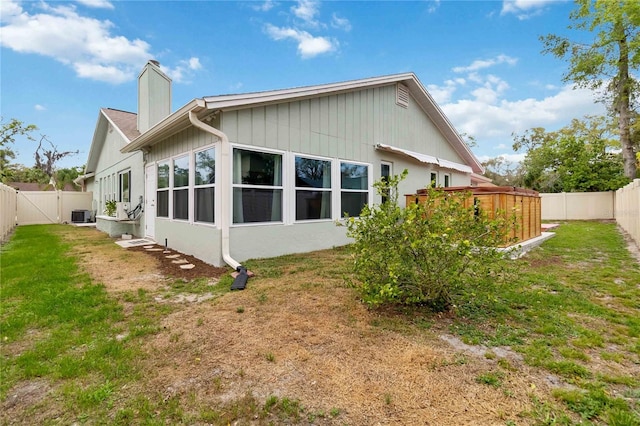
[(354, 184), (162, 194), (204, 185), (257, 186), (181, 188), (313, 189)]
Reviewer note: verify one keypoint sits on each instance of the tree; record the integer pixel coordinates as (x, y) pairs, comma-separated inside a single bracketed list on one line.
[(576, 158), (46, 158), (8, 134), (608, 61), (502, 172)]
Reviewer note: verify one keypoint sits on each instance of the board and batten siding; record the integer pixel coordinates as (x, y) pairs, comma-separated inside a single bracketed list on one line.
[(345, 126)]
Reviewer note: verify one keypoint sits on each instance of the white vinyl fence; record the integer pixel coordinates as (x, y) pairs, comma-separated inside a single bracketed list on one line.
[(8, 202), (628, 209), (40, 207), (622, 205)]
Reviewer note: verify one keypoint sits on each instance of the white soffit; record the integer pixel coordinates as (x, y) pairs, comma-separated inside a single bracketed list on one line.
[(424, 158)]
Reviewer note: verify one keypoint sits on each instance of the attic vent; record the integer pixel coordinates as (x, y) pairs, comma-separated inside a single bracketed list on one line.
[(402, 95)]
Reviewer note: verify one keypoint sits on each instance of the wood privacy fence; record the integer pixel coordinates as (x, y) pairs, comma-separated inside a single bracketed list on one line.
[(8, 203), (39, 207), (622, 205)]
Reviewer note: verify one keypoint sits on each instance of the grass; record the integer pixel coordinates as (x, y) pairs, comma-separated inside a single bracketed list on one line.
[(572, 311)]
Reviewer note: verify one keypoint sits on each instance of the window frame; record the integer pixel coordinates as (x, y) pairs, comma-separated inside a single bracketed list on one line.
[(121, 176), (295, 189), (165, 189), (196, 186), (283, 187), (177, 191), (342, 190)]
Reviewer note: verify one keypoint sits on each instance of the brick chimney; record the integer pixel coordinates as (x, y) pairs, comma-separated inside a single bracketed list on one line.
[(154, 96)]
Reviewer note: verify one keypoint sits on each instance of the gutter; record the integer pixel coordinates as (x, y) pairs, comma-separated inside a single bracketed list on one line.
[(224, 186)]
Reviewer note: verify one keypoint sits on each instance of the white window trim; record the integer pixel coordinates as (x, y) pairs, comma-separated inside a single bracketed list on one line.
[(337, 213), (286, 178), (119, 184), (294, 188), (214, 185)]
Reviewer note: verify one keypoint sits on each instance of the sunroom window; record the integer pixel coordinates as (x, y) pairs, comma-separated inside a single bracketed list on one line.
[(162, 194), (257, 186), (204, 185), (354, 184), (181, 188), (313, 189), (124, 186)]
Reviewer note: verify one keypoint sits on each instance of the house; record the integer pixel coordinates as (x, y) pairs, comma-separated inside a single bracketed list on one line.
[(233, 177)]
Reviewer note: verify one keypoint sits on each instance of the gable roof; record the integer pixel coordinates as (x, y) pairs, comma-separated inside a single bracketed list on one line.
[(179, 120), (125, 123)]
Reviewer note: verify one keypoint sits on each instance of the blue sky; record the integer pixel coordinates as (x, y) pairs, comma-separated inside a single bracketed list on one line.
[(481, 60)]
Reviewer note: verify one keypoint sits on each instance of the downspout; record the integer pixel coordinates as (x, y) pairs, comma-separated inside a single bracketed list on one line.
[(224, 187)]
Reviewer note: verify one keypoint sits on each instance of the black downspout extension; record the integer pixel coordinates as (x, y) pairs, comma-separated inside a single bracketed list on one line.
[(240, 283)]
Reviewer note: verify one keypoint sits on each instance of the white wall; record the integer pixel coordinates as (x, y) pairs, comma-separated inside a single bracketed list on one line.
[(8, 208), (578, 206), (628, 209)]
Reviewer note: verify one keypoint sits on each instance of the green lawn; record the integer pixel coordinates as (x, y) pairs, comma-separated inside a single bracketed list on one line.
[(572, 310)]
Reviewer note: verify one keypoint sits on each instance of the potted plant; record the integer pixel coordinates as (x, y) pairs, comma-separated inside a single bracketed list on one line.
[(110, 208)]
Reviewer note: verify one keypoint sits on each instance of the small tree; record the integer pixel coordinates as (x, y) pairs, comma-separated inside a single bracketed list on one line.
[(427, 253)]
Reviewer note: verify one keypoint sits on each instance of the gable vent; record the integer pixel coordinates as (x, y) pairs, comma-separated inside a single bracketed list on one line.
[(402, 95)]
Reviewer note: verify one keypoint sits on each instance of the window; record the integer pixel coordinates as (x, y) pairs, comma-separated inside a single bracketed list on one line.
[(124, 186), (354, 184), (385, 173), (447, 180), (313, 189), (204, 185), (162, 194), (434, 180), (181, 188), (257, 186)]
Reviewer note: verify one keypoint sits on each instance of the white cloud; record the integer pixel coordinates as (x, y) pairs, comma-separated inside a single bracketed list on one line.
[(433, 6), (510, 157), (100, 4), (486, 63), (307, 11), (85, 44), (183, 70), (39, 107), (499, 119), (340, 23), (308, 45), (525, 9), (265, 6)]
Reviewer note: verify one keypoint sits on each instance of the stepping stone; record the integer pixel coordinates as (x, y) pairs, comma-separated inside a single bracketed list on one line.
[(188, 266), (167, 251), (173, 256), (154, 249), (148, 247), (179, 261)]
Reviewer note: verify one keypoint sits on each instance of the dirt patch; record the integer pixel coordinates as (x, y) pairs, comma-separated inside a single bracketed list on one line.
[(169, 264)]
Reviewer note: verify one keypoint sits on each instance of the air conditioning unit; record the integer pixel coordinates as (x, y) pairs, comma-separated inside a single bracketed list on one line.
[(121, 211)]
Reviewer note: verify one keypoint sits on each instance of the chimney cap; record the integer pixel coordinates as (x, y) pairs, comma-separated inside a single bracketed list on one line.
[(154, 62)]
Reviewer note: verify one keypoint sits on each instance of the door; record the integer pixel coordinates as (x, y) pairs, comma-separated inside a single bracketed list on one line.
[(150, 201)]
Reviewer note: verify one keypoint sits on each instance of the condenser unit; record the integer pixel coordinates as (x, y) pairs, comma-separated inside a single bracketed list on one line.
[(121, 211)]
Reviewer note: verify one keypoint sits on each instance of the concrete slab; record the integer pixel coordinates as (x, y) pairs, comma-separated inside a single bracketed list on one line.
[(135, 243), (520, 249)]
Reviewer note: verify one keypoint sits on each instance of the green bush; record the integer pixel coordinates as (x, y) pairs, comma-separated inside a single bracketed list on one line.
[(427, 253)]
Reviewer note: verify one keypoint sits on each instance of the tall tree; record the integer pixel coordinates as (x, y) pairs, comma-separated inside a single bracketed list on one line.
[(46, 158), (8, 134), (577, 158), (608, 61)]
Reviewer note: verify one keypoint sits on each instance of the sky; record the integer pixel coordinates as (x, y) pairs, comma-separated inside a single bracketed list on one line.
[(481, 61)]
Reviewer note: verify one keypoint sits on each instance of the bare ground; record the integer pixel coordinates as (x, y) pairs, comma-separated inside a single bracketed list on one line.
[(304, 335)]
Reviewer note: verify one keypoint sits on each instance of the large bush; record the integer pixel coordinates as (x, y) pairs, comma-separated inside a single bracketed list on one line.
[(427, 253)]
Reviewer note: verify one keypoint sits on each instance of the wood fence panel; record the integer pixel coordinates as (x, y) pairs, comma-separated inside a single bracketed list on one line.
[(628, 209), (43, 207)]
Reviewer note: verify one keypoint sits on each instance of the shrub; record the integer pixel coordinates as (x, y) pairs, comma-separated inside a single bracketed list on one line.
[(427, 253)]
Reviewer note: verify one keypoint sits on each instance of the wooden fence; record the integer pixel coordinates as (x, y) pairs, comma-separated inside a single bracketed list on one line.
[(8, 203)]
